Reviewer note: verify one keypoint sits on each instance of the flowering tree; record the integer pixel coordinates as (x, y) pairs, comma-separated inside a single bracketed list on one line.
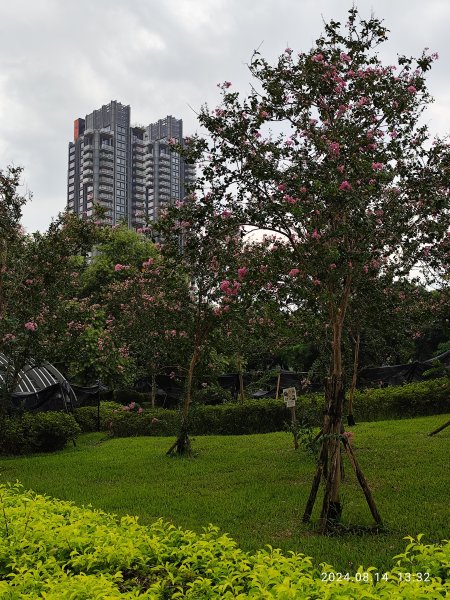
[(203, 242), (148, 314), (118, 255), (351, 185), (253, 325), (10, 212), (37, 274)]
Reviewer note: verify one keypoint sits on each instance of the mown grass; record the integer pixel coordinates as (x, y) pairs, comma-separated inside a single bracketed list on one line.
[(255, 487)]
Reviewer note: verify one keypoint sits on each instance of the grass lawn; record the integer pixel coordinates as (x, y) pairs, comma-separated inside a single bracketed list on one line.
[(255, 487)]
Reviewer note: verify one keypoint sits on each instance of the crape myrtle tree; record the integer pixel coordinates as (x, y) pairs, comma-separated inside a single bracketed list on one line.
[(383, 324), (204, 244), (11, 232), (90, 346), (149, 317), (37, 276), (253, 325), (352, 184), (86, 348)]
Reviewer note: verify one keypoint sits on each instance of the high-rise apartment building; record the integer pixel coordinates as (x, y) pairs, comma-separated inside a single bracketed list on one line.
[(130, 171)]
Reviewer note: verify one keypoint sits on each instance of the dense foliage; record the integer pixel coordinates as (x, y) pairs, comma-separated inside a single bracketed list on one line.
[(53, 549), (39, 432)]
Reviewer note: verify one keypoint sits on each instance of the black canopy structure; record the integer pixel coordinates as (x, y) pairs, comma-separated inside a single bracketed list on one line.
[(39, 388), (400, 374)]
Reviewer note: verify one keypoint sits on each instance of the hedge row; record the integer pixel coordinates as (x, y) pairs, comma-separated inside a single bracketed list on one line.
[(264, 416), (54, 550), (404, 401), (37, 432)]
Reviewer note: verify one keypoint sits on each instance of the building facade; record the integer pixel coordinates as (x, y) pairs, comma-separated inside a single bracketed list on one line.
[(129, 171)]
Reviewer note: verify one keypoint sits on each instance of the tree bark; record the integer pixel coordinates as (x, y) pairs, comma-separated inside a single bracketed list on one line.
[(153, 396), (350, 418), (182, 446), (241, 378)]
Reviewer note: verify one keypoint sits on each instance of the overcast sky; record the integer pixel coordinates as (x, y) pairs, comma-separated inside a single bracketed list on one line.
[(61, 59)]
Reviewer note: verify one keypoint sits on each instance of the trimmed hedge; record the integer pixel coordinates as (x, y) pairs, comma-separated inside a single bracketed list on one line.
[(37, 432), (54, 550), (404, 401), (265, 416), (87, 416)]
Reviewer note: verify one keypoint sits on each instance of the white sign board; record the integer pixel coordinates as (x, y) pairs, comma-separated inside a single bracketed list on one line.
[(290, 396)]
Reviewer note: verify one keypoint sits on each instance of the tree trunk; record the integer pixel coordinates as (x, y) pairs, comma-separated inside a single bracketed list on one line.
[(153, 396), (330, 461), (330, 456), (241, 378), (331, 508), (182, 446), (3, 248), (350, 418)]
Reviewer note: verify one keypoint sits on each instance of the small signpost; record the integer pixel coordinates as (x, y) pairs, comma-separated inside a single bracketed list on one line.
[(289, 397)]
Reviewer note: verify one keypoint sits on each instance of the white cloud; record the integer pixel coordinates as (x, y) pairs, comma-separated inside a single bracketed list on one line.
[(60, 60)]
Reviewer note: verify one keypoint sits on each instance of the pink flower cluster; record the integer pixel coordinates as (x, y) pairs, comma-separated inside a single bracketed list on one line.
[(230, 289), (9, 337), (345, 186), (145, 264), (31, 326), (132, 406), (334, 148), (242, 272), (120, 267)]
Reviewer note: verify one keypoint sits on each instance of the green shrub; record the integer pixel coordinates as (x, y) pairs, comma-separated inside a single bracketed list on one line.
[(265, 416), (87, 416), (37, 432), (13, 439), (52, 549), (157, 422), (424, 398), (212, 394)]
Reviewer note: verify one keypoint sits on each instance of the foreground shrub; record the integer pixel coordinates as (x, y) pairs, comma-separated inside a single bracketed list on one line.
[(37, 432), (55, 550)]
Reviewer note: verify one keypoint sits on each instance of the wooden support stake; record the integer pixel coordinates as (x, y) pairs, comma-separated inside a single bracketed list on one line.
[(440, 428), (278, 386), (315, 485), (363, 483), (332, 479)]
